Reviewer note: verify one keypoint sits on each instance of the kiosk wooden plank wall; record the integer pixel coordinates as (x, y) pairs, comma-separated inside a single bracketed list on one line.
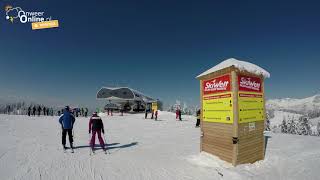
[(232, 115)]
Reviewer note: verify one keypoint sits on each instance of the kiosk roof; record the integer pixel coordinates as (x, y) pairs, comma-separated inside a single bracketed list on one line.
[(241, 65)]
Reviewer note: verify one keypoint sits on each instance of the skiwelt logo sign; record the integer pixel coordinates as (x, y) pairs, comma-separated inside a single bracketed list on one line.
[(216, 85), (247, 83)]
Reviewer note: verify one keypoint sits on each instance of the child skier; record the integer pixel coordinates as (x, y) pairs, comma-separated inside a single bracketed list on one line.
[(96, 125)]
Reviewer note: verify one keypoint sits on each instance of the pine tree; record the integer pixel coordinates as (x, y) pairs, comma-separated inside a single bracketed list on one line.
[(292, 126), (304, 126), (318, 128), (284, 127)]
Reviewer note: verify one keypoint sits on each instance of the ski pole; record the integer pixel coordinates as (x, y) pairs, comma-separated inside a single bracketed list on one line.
[(73, 137), (90, 147), (104, 138)]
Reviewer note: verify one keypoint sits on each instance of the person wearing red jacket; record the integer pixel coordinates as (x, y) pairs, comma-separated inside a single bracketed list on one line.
[(156, 115), (96, 126), (177, 113)]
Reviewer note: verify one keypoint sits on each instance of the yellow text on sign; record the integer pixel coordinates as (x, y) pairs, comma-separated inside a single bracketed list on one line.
[(251, 107), (155, 106), (45, 24), (218, 108)]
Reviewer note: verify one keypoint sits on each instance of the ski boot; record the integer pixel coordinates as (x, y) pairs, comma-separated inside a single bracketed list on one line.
[(71, 146)]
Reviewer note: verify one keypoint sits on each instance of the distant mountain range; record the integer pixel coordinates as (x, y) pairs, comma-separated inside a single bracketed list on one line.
[(301, 106)]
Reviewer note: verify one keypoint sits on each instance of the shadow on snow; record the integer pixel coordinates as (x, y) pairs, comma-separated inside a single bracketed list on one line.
[(109, 146)]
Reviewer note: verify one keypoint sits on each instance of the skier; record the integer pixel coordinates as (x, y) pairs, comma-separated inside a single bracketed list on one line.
[(86, 112), (29, 110), (39, 110), (96, 126), (179, 113), (47, 111), (8, 109), (146, 113), (152, 113), (44, 111), (156, 115), (198, 118), (121, 111), (82, 112), (34, 110), (67, 121), (77, 110)]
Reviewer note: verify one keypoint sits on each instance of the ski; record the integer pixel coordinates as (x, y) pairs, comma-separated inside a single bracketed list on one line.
[(92, 152)]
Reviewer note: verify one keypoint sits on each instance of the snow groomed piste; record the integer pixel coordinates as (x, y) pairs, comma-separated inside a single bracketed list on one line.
[(30, 148), (138, 148)]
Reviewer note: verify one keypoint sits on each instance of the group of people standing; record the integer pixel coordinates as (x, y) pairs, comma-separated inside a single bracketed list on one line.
[(67, 121), (33, 111), (198, 114), (154, 114)]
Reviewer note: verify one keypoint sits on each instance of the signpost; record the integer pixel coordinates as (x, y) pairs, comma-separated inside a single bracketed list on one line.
[(233, 114)]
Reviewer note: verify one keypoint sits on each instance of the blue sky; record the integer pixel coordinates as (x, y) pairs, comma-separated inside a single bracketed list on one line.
[(157, 47)]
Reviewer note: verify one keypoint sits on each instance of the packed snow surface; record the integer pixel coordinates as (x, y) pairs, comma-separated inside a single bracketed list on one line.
[(241, 65), (141, 149)]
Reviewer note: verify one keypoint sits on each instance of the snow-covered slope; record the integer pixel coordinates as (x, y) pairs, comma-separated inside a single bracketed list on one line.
[(30, 148), (302, 106), (280, 115)]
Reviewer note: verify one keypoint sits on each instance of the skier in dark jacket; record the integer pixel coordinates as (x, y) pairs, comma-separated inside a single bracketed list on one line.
[(34, 110), (96, 126), (29, 110), (156, 115), (86, 112), (198, 118), (67, 121), (82, 112), (39, 110), (180, 119), (146, 113)]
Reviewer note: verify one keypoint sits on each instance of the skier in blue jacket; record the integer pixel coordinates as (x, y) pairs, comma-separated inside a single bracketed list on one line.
[(67, 120)]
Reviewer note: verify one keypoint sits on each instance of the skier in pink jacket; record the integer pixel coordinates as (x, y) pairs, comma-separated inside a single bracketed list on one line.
[(96, 126)]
